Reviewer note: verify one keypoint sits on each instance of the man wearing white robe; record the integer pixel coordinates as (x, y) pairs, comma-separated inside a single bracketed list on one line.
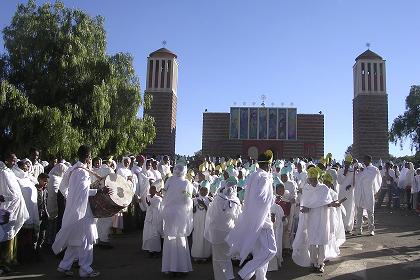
[(253, 234), (78, 232), (345, 179), (164, 167), (292, 188), (368, 183), (220, 220), (177, 206), (313, 233), (14, 204)]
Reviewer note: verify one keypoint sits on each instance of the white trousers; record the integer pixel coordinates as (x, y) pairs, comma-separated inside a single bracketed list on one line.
[(104, 228), (84, 253), (264, 250), (222, 264), (317, 254), (359, 219)]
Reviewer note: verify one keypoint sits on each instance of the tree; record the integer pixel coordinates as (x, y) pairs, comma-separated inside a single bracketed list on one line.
[(60, 88), (349, 150), (407, 125)]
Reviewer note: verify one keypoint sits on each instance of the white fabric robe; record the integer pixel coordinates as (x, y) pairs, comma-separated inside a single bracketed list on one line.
[(315, 226), (337, 231), (343, 182), (56, 176), (152, 230), (278, 212), (14, 204), (177, 217), (78, 225), (255, 216), (30, 194), (201, 248), (368, 183)]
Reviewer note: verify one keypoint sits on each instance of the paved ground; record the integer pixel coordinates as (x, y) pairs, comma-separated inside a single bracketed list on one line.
[(393, 253)]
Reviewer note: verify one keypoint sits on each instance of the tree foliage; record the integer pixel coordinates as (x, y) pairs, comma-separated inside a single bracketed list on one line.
[(60, 88), (407, 125)]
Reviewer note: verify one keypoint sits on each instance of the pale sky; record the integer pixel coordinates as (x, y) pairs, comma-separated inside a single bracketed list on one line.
[(299, 51)]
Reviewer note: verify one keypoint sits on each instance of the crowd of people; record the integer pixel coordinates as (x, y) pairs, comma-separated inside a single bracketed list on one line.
[(251, 211)]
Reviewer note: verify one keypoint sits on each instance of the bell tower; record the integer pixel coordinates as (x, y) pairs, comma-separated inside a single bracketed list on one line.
[(370, 107), (161, 85)]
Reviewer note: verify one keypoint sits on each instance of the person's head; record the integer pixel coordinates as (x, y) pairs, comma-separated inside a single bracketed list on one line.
[(278, 169), (225, 175), (126, 162), (240, 175), (299, 167), (10, 160), (152, 190), (313, 176), (407, 165), (23, 165), (165, 159), (204, 191), (280, 189), (85, 154), (33, 155), (328, 180), (96, 162), (380, 167), (367, 160), (418, 171), (321, 166), (140, 160), (148, 164), (284, 178), (43, 180), (154, 165), (201, 176)]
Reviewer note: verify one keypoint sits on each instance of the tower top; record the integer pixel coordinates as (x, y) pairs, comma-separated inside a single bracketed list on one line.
[(162, 51), (368, 54)]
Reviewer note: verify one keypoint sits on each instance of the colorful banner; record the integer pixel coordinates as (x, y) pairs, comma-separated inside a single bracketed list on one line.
[(282, 123), (234, 123), (262, 123), (244, 123), (291, 123), (272, 123), (253, 123)]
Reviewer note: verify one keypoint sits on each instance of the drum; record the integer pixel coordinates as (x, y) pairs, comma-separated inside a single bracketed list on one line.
[(104, 205)]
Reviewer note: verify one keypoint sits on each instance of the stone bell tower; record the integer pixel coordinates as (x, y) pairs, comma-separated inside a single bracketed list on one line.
[(161, 85), (370, 107)]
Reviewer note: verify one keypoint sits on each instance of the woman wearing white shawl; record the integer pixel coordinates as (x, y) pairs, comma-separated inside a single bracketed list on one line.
[(27, 235), (221, 217), (254, 231), (177, 217), (368, 183), (56, 176), (345, 180), (15, 205)]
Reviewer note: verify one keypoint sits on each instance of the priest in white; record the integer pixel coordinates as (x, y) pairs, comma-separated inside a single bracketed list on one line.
[(14, 203), (254, 233), (368, 183), (177, 214), (78, 232)]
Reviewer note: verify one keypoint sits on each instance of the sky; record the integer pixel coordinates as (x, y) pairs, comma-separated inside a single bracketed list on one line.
[(292, 51)]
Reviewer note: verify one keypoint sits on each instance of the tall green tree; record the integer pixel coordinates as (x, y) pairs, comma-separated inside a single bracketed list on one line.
[(73, 92), (407, 125)]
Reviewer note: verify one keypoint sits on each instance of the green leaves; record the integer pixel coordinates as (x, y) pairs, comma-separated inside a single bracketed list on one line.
[(407, 125), (61, 89)]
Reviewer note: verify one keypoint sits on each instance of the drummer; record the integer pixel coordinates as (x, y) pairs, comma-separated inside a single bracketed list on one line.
[(78, 232)]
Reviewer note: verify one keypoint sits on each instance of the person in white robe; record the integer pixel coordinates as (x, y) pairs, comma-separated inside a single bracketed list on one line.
[(201, 248), (103, 225), (56, 176), (314, 229), (27, 235), (164, 167), (155, 170), (35, 167), (346, 181), (152, 230), (14, 204), (292, 188), (78, 232), (221, 217), (368, 183), (177, 206), (278, 217), (253, 234)]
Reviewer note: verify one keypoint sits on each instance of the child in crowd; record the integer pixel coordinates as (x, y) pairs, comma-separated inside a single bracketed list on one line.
[(42, 210)]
